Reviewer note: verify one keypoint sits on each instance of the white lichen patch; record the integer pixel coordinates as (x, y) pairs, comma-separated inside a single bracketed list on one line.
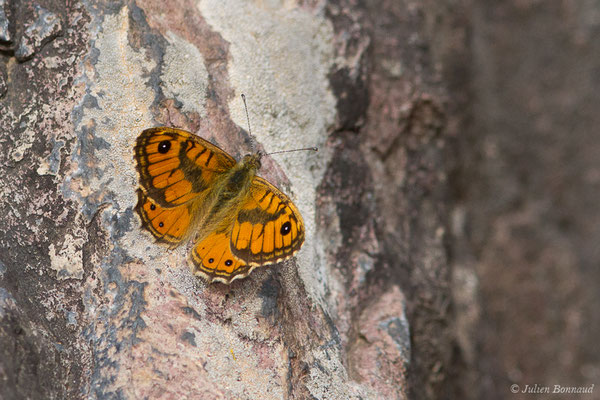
[(184, 76), (118, 85), (121, 91), (280, 57), (26, 138), (67, 260)]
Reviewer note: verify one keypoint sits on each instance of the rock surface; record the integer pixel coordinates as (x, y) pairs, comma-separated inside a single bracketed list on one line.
[(95, 308), (451, 210)]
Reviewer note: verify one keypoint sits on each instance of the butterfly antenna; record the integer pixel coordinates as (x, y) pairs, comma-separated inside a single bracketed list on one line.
[(247, 117), (289, 151), (275, 152), (252, 139)]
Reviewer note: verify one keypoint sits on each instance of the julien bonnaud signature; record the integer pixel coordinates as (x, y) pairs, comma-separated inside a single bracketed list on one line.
[(558, 389)]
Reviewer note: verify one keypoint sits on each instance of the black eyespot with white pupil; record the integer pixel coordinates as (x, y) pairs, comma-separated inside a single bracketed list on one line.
[(211, 260), (152, 207), (164, 146), (161, 224), (286, 228), (228, 263)]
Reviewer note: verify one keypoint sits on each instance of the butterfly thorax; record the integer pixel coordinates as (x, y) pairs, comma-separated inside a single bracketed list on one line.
[(252, 161), (227, 195)]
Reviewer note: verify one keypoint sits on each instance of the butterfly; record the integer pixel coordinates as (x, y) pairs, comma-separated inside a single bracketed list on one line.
[(190, 189)]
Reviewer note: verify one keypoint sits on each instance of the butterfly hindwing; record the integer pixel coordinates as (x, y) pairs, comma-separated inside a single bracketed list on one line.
[(268, 227), (176, 166), (168, 225), (214, 260)]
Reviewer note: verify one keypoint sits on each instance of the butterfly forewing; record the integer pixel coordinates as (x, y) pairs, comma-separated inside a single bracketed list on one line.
[(175, 166)]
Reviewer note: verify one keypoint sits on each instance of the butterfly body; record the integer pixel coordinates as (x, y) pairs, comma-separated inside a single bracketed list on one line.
[(224, 198), (191, 188)]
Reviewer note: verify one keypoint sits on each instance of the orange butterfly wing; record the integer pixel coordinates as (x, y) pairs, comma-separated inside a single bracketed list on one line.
[(214, 260), (176, 166), (168, 225), (268, 229)]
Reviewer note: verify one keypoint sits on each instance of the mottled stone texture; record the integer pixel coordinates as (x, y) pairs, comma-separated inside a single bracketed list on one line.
[(451, 212), (43, 353), (91, 307)]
